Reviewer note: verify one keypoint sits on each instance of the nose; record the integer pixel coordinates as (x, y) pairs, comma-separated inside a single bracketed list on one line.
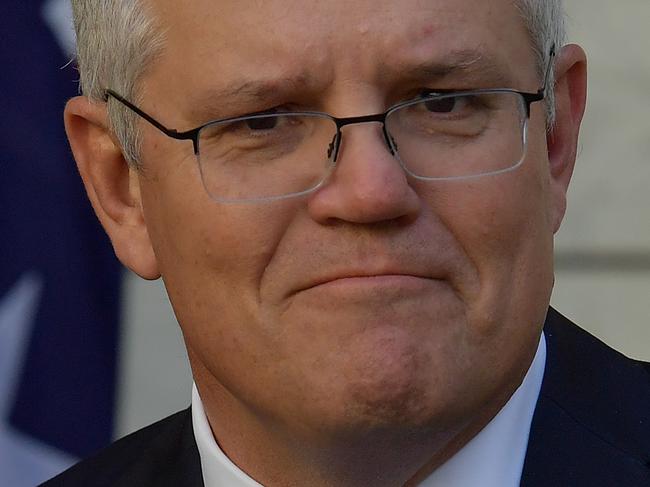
[(368, 184)]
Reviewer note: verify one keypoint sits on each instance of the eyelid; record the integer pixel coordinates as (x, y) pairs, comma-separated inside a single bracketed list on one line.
[(278, 109), (267, 111), (425, 93)]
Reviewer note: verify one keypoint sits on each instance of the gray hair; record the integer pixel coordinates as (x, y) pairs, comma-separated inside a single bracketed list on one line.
[(546, 24), (117, 40)]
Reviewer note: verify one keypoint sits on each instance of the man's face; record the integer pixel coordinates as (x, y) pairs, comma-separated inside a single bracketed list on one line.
[(377, 299)]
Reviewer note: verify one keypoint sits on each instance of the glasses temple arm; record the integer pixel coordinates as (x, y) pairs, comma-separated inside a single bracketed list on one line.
[(191, 135), (549, 70)]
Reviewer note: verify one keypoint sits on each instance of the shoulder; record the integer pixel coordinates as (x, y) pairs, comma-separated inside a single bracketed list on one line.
[(593, 415), (601, 387), (156, 455)]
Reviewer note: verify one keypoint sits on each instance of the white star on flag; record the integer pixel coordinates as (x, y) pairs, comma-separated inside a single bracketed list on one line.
[(24, 461), (57, 15)]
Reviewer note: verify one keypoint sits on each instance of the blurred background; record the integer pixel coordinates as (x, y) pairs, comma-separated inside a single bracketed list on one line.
[(89, 352)]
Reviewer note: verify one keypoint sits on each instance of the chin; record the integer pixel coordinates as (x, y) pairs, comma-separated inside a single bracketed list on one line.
[(393, 385)]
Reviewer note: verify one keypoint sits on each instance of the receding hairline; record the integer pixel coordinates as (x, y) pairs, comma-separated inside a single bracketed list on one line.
[(151, 8)]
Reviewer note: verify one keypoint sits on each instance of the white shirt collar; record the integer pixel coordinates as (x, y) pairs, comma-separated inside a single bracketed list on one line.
[(218, 470), (493, 458)]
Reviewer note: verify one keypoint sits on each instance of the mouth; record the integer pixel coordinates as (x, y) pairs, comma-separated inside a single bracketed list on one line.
[(375, 282)]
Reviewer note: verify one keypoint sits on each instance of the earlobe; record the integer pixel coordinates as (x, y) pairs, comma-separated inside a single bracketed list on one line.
[(111, 184), (562, 140)]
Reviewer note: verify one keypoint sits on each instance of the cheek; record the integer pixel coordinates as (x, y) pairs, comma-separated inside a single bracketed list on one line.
[(211, 256), (501, 223), (495, 218)]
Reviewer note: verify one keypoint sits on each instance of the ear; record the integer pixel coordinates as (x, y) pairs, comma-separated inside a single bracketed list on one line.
[(112, 185), (562, 139)]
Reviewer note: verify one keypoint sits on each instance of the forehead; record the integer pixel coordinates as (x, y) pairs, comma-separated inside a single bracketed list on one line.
[(218, 42), (332, 16)]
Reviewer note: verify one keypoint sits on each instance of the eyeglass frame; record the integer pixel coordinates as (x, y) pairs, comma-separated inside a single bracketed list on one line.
[(333, 150)]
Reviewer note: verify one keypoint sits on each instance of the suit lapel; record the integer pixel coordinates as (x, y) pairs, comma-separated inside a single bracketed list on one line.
[(171, 459), (185, 468), (591, 424)]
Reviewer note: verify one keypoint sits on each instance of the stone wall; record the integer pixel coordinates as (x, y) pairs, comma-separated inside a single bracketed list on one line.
[(603, 248)]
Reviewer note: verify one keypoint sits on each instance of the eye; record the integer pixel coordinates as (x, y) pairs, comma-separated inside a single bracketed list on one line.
[(446, 105), (264, 123)]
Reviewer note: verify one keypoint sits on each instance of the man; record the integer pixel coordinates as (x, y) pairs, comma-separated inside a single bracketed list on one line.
[(352, 206)]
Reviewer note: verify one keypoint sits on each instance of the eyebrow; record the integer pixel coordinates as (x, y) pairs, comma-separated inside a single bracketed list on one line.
[(244, 93), (466, 66)]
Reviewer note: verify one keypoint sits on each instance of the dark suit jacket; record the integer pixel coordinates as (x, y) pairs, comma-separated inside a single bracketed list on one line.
[(591, 428)]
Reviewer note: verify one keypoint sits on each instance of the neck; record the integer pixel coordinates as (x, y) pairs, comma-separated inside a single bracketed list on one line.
[(274, 454)]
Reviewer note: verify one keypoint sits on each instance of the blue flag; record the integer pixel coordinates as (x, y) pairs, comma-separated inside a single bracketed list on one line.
[(59, 279)]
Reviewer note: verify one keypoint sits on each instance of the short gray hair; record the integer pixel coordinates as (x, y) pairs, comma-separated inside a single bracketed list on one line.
[(546, 24), (117, 40)]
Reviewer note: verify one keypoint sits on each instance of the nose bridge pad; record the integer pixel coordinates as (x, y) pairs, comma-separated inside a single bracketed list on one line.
[(333, 149), (335, 144), (390, 142)]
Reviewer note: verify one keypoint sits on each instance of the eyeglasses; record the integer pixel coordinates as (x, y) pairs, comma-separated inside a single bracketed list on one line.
[(437, 136)]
